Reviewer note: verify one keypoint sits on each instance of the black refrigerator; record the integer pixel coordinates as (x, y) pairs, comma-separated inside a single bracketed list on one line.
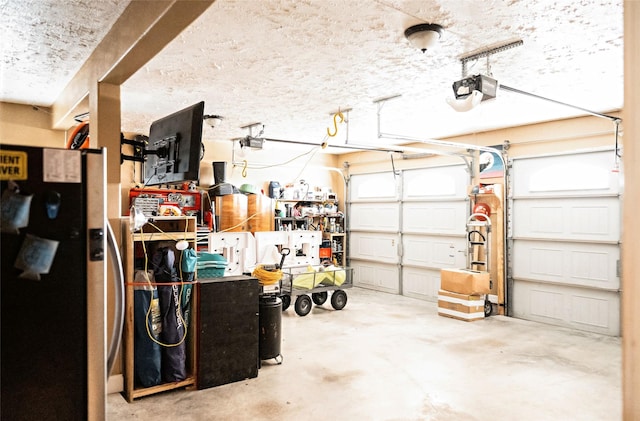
[(53, 286)]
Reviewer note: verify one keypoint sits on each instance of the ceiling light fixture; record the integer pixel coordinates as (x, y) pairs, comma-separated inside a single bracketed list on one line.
[(213, 120), (423, 36)]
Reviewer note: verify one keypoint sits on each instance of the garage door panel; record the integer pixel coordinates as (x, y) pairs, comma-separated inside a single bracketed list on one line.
[(421, 283), (434, 217), (592, 265), (378, 187), (375, 217), (437, 182), (433, 251), (589, 219), (579, 308), (374, 246), (376, 276), (580, 173)]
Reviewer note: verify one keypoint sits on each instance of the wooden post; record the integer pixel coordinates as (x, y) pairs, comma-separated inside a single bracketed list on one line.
[(631, 222)]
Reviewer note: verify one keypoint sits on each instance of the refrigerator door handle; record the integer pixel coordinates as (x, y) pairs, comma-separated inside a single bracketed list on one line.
[(118, 317)]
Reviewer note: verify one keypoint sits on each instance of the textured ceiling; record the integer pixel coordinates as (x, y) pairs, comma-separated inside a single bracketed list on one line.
[(289, 63), (45, 42)]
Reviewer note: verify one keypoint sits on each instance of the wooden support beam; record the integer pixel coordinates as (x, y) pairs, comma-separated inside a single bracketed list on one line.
[(630, 241), (105, 125), (141, 32)]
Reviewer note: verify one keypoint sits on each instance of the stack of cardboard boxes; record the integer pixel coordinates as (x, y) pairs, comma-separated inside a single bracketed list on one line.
[(461, 294)]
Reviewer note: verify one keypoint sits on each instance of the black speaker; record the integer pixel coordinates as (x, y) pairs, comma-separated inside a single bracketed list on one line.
[(221, 187), (228, 337), (219, 171)]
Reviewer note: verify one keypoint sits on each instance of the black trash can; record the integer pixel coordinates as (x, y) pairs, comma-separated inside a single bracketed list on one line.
[(270, 328)]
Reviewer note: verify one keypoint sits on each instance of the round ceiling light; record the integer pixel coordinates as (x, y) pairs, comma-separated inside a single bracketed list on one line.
[(423, 36)]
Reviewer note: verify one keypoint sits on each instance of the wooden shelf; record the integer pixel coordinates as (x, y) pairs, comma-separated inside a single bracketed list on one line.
[(146, 391), (338, 246), (158, 236), (161, 229)]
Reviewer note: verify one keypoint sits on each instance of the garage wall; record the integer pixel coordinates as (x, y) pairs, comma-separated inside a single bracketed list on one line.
[(30, 126)]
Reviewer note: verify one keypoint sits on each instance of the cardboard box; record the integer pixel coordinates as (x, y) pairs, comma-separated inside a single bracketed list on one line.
[(464, 281), (460, 306)]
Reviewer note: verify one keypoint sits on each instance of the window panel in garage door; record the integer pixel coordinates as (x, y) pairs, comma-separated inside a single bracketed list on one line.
[(374, 224), (373, 187), (565, 231)]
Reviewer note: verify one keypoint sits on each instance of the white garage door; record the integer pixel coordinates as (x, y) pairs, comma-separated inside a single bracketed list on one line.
[(565, 233), (404, 229)]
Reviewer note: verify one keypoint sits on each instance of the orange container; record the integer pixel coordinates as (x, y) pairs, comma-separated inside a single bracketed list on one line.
[(260, 212), (232, 212), (325, 253)]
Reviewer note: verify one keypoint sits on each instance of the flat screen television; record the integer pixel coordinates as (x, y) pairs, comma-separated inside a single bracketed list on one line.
[(173, 152)]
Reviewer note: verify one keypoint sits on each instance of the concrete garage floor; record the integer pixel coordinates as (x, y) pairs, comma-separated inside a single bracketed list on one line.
[(387, 357)]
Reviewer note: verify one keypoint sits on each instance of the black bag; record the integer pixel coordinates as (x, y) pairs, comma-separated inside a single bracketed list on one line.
[(173, 327), (147, 354)]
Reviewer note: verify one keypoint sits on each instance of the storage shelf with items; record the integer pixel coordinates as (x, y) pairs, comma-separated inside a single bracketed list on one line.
[(292, 224), (337, 244), (159, 345), (317, 215), (333, 233), (309, 214)]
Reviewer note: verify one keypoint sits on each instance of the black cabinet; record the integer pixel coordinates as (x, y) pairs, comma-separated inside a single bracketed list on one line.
[(228, 320)]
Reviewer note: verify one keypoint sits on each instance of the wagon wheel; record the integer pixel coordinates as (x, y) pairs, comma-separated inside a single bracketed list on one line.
[(338, 299), (319, 298), (286, 301), (303, 305), (488, 308)]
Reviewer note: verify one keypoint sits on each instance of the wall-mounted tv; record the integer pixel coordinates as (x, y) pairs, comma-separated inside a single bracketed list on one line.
[(172, 154)]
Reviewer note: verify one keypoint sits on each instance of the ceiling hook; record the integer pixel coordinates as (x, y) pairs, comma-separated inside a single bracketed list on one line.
[(335, 123)]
